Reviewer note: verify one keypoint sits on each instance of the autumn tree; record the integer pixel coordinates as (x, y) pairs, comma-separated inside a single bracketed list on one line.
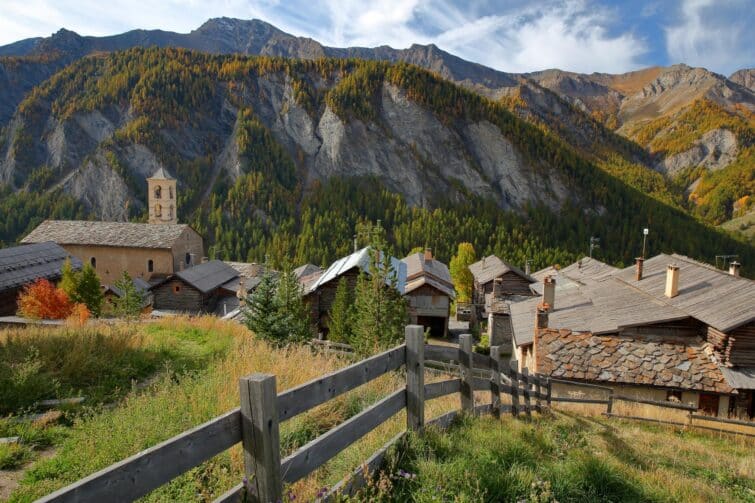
[(460, 273), (41, 300)]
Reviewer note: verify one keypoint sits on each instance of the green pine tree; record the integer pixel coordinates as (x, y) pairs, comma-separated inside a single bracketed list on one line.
[(261, 309), (340, 328), (295, 323), (89, 290), (129, 304), (69, 281), (380, 312)]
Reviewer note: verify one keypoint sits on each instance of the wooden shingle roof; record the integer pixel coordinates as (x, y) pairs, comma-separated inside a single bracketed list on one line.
[(420, 271), (118, 234), (491, 267), (710, 295), (20, 265)]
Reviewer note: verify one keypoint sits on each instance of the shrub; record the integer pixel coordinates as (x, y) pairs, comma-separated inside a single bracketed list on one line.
[(42, 301)]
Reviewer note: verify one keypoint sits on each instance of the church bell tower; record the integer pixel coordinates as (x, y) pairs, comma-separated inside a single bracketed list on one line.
[(161, 198)]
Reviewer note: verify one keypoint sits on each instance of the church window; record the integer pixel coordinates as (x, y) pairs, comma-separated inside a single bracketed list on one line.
[(158, 192), (170, 192), (158, 210), (170, 211), (188, 259), (93, 261), (150, 266)]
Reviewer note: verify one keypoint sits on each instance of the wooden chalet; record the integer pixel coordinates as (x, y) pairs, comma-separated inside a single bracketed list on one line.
[(669, 328), (198, 289), (112, 292), (22, 265), (320, 287), (429, 290), (495, 280)]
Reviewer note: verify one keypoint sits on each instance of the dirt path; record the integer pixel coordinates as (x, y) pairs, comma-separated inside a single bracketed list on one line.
[(9, 479)]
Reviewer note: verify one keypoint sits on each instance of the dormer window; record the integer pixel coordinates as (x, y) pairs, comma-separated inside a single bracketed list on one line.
[(158, 192)]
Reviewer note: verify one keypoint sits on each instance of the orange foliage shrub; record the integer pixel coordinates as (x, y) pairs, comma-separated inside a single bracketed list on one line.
[(79, 315), (43, 301)]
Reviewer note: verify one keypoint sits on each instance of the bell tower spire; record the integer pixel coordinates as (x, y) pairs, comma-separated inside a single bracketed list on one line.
[(161, 198)]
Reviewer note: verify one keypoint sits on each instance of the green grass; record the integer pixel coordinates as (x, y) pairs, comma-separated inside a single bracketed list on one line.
[(99, 362), (744, 225), (566, 458)]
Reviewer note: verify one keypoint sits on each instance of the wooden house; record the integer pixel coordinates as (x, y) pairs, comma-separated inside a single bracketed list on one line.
[(22, 265), (429, 291), (197, 289), (320, 288), (668, 328), (495, 280)]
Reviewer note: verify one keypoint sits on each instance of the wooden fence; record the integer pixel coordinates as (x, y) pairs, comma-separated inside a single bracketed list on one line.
[(255, 424)]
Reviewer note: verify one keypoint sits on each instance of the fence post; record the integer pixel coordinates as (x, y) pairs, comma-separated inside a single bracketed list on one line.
[(609, 406), (527, 402), (260, 437), (538, 392), (514, 373), (467, 375), (549, 392), (495, 381), (415, 378)]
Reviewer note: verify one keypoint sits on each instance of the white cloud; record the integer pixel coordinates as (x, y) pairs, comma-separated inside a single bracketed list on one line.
[(713, 34), (515, 36)]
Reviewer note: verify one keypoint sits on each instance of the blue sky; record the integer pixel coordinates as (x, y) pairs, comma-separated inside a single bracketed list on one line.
[(517, 36)]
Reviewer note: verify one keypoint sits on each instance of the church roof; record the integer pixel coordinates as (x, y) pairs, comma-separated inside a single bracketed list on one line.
[(161, 174), (119, 234)]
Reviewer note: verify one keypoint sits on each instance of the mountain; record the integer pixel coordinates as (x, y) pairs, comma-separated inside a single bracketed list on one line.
[(594, 113), (286, 158)]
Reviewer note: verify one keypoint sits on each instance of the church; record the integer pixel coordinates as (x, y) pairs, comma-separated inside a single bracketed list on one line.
[(150, 251)]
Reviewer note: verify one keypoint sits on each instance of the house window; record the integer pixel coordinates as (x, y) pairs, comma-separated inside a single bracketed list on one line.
[(673, 395), (708, 404), (150, 266), (93, 261), (158, 192), (176, 289), (188, 258)]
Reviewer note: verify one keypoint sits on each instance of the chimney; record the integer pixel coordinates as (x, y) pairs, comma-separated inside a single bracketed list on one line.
[(639, 261), (527, 267), (542, 317), (734, 268), (672, 281), (428, 255), (549, 293)]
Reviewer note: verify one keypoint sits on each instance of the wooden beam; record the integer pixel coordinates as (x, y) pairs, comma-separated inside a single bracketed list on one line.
[(442, 388), (467, 378), (261, 438), (318, 391), (415, 378), (317, 452), (139, 474)]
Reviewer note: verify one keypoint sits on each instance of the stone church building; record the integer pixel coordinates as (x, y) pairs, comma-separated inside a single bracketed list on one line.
[(148, 251)]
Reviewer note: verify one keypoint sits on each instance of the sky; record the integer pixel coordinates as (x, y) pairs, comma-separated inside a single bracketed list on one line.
[(613, 36)]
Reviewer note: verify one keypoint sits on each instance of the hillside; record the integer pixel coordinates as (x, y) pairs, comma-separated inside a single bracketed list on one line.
[(283, 157)]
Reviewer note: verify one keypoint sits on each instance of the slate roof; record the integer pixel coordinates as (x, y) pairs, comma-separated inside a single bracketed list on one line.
[(740, 377), (306, 270), (20, 265), (433, 272), (492, 267), (208, 276), (247, 269), (710, 295), (359, 259), (120, 234), (642, 360), (141, 286), (161, 174), (600, 307), (585, 271)]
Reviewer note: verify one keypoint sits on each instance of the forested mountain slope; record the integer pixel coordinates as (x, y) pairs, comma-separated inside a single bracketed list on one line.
[(287, 158), (609, 118)]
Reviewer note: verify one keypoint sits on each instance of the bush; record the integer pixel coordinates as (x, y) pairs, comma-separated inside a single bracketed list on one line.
[(42, 301)]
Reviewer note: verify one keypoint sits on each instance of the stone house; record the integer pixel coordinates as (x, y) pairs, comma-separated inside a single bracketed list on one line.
[(320, 287), (199, 289), (669, 328), (22, 265), (429, 291), (145, 251), (494, 281)]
